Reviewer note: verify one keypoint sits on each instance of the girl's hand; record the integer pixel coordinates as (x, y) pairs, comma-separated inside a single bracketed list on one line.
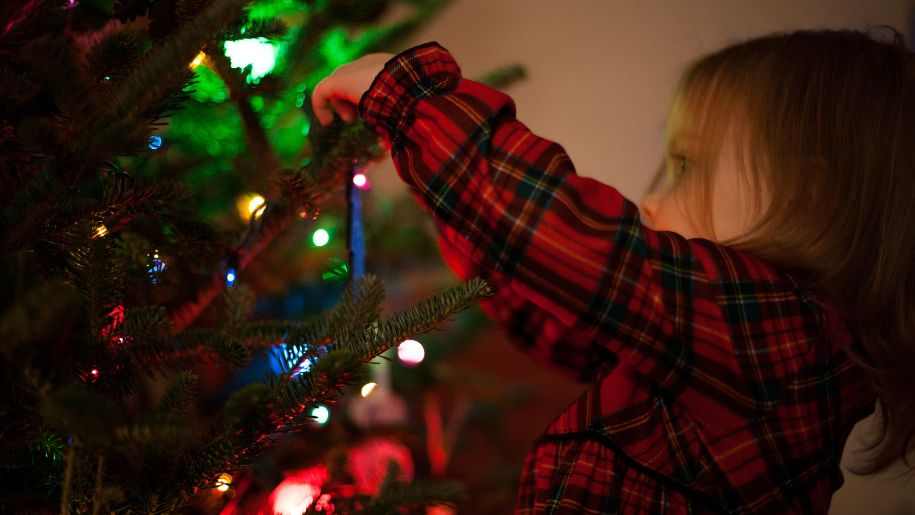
[(342, 89)]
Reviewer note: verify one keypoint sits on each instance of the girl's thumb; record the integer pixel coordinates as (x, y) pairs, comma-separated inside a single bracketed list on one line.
[(323, 112)]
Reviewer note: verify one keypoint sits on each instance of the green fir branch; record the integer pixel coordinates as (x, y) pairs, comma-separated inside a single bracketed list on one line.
[(419, 319), (178, 399), (162, 71), (262, 28), (358, 307)]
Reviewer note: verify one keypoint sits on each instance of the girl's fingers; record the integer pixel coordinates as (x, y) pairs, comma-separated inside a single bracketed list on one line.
[(319, 104), (322, 111), (344, 108), (324, 115)]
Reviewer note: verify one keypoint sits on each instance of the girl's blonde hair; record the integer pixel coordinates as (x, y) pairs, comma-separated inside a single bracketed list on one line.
[(823, 123)]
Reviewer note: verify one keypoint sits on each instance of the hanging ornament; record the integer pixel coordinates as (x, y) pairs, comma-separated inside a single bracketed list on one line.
[(381, 408), (116, 316), (111, 332), (368, 463), (156, 267), (299, 490), (354, 230)]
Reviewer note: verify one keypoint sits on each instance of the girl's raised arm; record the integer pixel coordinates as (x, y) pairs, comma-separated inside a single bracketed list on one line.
[(579, 281)]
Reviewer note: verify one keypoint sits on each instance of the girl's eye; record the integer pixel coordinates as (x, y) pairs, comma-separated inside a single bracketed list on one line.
[(678, 162)]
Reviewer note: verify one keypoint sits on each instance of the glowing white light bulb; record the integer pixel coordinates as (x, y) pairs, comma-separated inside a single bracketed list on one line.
[(258, 53), (294, 498), (320, 237), (231, 275), (411, 352), (321, 414), (254, 205), (367, 389), (361, 181)]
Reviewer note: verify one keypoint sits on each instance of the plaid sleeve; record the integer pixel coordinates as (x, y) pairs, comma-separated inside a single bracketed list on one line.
[(578, 277)]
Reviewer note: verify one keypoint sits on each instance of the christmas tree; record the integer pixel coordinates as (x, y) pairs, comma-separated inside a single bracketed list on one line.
[(128, 134)]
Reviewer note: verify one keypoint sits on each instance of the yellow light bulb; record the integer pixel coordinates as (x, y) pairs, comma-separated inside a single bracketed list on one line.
[(367, 389), (250, 205), (100, 231), (198, 60), (223, 482)]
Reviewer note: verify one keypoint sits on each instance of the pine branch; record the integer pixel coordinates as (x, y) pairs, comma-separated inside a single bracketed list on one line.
[(288, 395), (147, 83), (178, 398), (292, 332), (159, 433), (302, 193), (239, 303), (419, 319), (270, 28), (275, 222), (99, 276), (358, 308)]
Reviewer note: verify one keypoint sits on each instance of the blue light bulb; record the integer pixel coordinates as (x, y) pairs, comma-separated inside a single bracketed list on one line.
[(155, 142)]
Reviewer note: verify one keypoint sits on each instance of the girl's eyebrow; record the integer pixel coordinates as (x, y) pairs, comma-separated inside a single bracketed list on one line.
[(682, 142), (685, 136)]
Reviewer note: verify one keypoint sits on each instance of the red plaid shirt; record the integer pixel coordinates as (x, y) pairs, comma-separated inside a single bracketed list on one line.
[(720, 385)]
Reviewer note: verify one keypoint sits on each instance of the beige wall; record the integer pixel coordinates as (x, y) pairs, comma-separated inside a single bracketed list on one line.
[(600, 77)]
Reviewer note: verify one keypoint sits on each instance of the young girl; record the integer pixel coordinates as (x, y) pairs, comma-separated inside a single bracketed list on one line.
[(738, 327)]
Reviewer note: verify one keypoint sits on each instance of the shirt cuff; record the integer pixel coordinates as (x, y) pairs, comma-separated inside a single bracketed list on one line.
[(418, 72)]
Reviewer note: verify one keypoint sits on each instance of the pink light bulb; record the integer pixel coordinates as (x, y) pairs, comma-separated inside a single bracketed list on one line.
[(411, 352), (361, 181)]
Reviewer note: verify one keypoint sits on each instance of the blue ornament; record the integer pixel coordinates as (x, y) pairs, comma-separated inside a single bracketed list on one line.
[(156, 267), (155, 142), (282, 356)]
